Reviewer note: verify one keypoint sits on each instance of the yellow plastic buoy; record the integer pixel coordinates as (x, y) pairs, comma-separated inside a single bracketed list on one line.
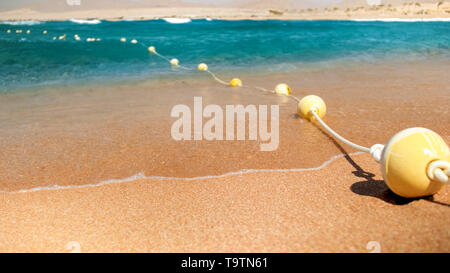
[(151, 49), (54, 38), (174, 62), (62, 37), (123, 39), (134, 41), (8, 31), (202, 67), (18, 31), (282, 89), (78, 38), (311, 102), (28, 31), (405, 160), (235, 82), (44, 32), (98, 39)]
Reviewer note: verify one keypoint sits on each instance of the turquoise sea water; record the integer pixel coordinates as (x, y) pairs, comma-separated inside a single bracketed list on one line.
[(258, 46)]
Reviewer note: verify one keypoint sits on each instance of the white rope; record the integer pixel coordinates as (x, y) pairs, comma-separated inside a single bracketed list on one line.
[(336, 135), (439, 170), (216, 78)]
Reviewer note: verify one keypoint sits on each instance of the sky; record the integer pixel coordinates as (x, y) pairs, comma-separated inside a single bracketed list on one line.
[(14, 4), (52, 5)]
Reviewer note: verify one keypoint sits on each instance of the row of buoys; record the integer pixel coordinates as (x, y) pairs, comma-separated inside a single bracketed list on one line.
[(415, 162)]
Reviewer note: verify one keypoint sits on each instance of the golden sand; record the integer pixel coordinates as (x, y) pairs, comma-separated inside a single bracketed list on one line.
[(97, 133)]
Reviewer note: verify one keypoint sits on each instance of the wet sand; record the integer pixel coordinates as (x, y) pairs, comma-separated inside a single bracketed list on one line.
[(96, 133)]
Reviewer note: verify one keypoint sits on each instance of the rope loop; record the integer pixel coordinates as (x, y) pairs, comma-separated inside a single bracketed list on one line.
[(439, 170)]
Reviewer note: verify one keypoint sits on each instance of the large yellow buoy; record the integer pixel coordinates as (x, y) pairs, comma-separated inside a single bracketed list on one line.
[(235, 82), (202, 67), (310, 102), (151, 49), (282, 89), (174, 62), (405, 160)]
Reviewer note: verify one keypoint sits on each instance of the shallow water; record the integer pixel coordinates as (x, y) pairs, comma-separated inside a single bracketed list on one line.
[(77, 113), (227, 46), (81, 135)]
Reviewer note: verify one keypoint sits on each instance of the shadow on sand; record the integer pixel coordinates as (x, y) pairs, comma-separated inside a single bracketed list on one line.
[(371, 187)]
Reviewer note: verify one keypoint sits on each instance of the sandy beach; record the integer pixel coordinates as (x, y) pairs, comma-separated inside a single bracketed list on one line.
[(266, 10), (88, 162), (75, 180)]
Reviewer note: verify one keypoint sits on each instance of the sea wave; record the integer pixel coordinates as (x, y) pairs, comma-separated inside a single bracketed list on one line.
[(79, 21), (177, 20), (20, 23), (437, 19), (142, 176)]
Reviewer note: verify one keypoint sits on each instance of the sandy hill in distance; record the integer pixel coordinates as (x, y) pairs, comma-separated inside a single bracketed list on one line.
[(222, 9)]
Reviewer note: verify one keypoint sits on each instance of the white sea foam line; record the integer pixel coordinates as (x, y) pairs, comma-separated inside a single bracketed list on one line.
[(142, 176), (20, 23), (177, 20), (79, 21)]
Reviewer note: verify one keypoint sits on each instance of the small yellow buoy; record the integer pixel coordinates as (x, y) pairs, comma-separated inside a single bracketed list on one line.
[(123, 39), (77, 38), (174, 62), (62, 37), (311, 102), (282, 89), (134, 41), (405, 160), (98, 40), (235, 82), (28, 31), (54, 38), (202, 67), (151, 49), (44, 32), (8, 31), (18, 31)]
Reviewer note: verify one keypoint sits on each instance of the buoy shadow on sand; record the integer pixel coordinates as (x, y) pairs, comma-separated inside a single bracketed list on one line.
[(372, 187)]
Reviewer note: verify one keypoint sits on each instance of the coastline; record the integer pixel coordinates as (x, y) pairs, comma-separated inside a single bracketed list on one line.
[(93, 167), (427, 11)]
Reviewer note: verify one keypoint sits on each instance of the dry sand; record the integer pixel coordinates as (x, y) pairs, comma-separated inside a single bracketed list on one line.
[(266, 10), (96, 133)]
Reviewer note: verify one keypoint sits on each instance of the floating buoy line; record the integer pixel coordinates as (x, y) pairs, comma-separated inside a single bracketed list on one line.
[(415, 162)]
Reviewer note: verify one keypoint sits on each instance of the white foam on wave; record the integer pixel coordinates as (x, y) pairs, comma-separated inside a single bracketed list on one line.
[(142, 176), (90, 22), (20, 23), (177, 20), (437, 19)]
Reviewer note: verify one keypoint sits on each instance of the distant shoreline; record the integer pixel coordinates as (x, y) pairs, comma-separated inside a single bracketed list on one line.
[(426, 11)]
